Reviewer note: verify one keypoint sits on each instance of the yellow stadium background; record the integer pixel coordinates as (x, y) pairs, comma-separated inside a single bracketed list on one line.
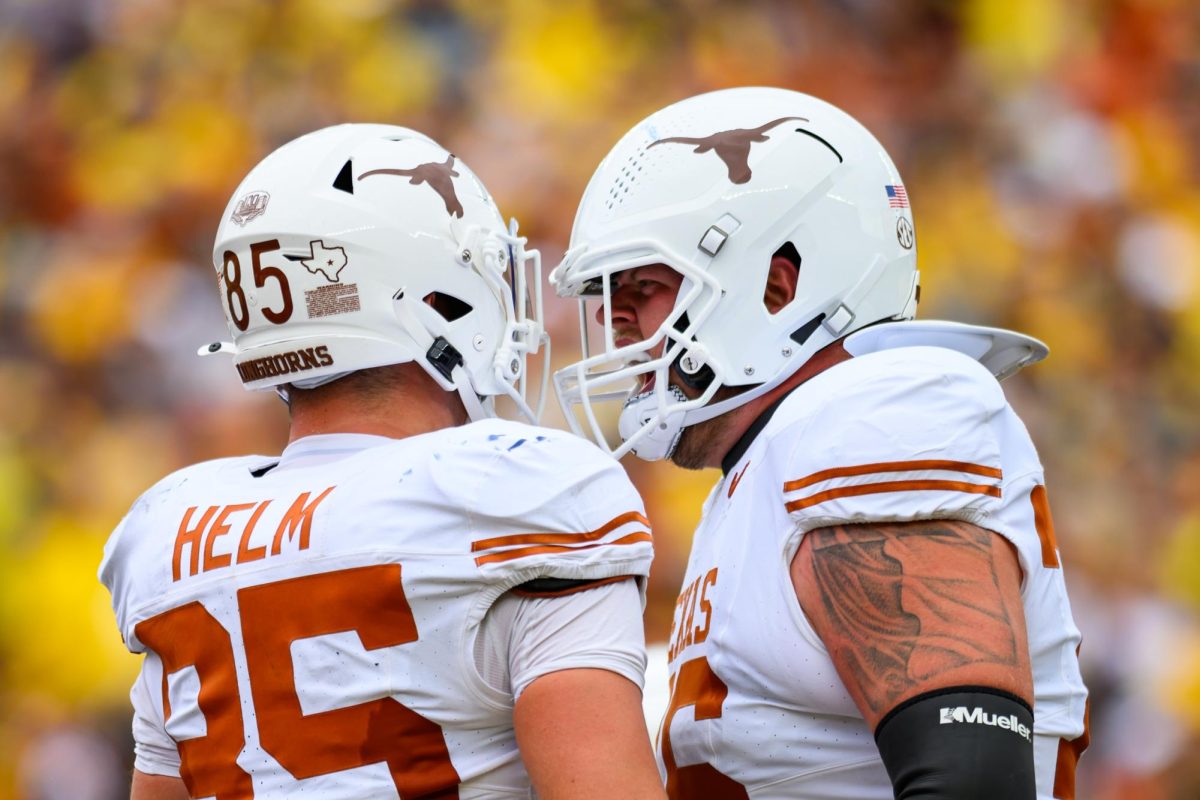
[(1051, 150)]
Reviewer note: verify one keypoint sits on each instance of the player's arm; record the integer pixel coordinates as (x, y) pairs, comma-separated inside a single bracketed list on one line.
[(575, 658), (569, 638), (157, 787), (582, 734), (919, 617), (156, 756)]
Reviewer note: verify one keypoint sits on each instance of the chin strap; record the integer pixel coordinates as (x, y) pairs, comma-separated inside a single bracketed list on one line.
[(659, 441), (662, 440), (508, 380), (466, 392), (446, 363)]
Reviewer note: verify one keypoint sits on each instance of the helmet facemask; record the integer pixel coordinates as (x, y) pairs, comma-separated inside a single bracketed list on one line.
[(617, 378)]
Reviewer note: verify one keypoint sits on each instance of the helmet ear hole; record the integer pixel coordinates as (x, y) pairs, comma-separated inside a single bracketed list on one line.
[(448, 306), (778, 295), (788, 250)]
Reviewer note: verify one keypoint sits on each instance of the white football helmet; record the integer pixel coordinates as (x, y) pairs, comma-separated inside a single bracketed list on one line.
[(331, 246), (714, 186)]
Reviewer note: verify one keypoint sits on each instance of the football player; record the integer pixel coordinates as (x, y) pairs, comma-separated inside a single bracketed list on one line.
[(874, 603), (415, 599)]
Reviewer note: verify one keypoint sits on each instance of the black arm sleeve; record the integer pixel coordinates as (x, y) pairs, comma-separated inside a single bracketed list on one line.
[(963, 742)]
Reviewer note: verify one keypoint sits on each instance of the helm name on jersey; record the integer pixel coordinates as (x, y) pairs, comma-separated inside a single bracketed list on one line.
[(685, 631), (285, 363), (977, 716), (203, 535)]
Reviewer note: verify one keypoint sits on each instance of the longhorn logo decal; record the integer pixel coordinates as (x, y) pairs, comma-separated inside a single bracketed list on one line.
[(732, 147), (438, 176)]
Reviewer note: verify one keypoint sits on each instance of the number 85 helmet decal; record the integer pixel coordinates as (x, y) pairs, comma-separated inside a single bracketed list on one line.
[(359, 246), (713, 187)]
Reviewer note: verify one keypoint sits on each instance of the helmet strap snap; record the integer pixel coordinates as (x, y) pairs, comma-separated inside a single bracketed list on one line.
[(444, 357)]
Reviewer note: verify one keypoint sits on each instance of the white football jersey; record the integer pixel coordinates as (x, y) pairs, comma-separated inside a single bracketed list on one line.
[(757, 707), (315, 622)]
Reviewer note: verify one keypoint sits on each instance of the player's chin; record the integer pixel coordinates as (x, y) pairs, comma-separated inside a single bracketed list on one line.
[(692, 450)]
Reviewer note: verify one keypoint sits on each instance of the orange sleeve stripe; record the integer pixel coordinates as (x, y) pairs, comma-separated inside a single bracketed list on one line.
[(893, 486), (893, 466), (560, 538), (523, 552)]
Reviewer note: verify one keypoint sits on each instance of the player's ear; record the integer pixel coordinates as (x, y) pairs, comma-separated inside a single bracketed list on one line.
[(781, 284)]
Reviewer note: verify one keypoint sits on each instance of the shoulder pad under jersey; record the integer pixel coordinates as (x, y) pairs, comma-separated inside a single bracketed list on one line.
[(544, 503), (891, 436), (1001, 351)]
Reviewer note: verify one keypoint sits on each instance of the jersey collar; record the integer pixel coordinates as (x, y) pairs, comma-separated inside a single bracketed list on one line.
[(804, 374), (743, 444), (329, 446)]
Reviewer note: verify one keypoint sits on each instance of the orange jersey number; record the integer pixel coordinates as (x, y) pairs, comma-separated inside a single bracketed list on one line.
[(369, 600), (698, 686)]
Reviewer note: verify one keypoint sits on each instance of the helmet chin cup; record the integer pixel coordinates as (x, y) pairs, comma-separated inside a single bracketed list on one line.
[(652, 431)]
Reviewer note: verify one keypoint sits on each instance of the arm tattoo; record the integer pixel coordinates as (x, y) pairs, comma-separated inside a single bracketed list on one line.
[(905, 606)]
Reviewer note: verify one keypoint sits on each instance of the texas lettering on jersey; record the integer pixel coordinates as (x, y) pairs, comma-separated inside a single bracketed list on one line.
[(685, 629)]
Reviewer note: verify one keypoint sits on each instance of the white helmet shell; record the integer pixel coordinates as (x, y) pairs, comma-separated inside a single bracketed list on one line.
[(714, 186), (330, 247)]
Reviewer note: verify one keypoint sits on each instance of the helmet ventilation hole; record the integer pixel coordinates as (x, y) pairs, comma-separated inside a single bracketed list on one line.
[(624, 182), (345, 178), (449, 306)]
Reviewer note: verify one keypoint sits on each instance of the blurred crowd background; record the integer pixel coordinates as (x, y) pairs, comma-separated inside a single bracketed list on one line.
[(1051, 150)]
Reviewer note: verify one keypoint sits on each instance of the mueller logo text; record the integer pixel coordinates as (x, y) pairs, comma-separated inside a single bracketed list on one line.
[(977, 716)]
